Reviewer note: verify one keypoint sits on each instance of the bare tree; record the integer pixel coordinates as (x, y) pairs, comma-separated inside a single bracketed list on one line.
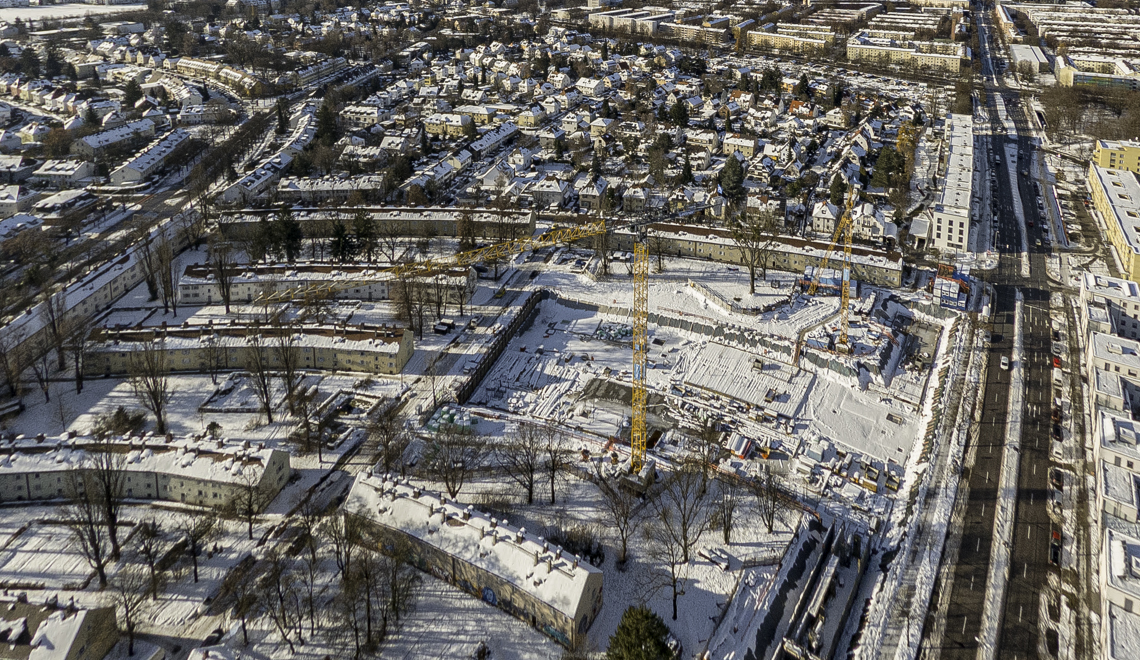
[(682, 508), (556, 460), (261, 377), (669, 554), (108, 478), (245, 594), (766, 488), (602, 251), (522, 456), (164, 273), (12, 360), (249, 499), (148, 372), (347, 613), (223, 265), (391, 437), (726, 506), (401, 583), (42, 367), (309, 521), (754, 236), (78, 345), (216, 355), (283, 599), (84, 518), (128, 595), (657, 246), (288, 358), (150, 547), (53, 306), (343, 533), (452, 457), (623, 509), (198, 529)]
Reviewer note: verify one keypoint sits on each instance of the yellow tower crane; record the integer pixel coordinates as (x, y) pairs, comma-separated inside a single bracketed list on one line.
[(843, 230)]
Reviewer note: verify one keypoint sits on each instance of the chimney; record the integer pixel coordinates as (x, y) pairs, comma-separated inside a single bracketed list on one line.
[(536, 557), (519, 536), (576, 560), (494, 523), (416, 493), (467, 513)]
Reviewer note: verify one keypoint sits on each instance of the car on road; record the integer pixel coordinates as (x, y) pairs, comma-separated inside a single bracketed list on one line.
[(1024, 172), (1056, 362), (1039, 242), (1005, 363)]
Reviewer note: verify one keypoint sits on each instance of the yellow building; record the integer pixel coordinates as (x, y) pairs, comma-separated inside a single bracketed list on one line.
[(1117, 154), (1116, 196)]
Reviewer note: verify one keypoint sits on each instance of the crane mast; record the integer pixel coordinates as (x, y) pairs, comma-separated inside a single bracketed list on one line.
[(637, 439)]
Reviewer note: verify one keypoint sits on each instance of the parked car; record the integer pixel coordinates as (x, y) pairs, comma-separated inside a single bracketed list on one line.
[(1005, 362)]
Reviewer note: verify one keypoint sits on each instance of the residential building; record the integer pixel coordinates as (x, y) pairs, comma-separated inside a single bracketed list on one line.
[(522, 574), (1117, 154), (151, 159), (39, 632), (95, 144), (363, 348), (950, 216), (1116, 196), (198, 286), (186, 470), (63, 173)]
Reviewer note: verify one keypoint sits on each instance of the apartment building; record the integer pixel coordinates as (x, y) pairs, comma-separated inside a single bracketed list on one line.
[(1116, 196), (151, 159), (400, 221), (189, 470), (35, 631), (794, 255), (698, 33), (1117, 154), (521, 574), (794, 38), (198, 285), (1097, 71), (884, 47), (448, 124), (643, 21), (363, 348), (96, 144), (950, 216)]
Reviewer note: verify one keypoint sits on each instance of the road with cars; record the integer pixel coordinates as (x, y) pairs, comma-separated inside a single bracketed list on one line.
[(1035, 543)]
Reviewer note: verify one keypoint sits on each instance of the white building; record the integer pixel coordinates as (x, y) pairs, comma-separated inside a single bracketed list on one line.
[(950, 216), (150, 159)]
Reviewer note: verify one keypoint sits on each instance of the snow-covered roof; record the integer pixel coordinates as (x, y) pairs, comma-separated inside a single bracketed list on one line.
[(531, 564), (207, 460)]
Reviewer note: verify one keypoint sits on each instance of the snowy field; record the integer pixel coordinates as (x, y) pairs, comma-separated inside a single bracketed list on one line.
[(65, 11)]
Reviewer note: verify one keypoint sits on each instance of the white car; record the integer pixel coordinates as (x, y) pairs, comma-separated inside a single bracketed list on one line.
[(1005, 363)]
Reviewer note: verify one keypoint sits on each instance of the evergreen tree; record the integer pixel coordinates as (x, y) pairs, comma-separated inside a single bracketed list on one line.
[(803, 89), (30, 62), (641, 635), (326, 124), (288, 235), (838, 190), (469, 131), (282, 119), (679, 113), (686, 171), (596, 165), (732, 179), (425, 144), (52, 64), (341, 246), (132, 93)]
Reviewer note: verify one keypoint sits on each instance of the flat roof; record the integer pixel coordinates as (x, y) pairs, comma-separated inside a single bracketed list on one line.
[(1122, 192)]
